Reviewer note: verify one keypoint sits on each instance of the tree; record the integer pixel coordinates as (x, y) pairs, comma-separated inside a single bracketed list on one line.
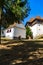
[(28, 32), (2, 3), (15, 9)]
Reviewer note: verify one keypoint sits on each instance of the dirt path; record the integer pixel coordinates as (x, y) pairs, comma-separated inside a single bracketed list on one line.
[(21, 53)]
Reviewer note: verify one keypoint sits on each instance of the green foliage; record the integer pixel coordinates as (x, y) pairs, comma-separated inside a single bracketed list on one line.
[(16, 9), (28, 32)]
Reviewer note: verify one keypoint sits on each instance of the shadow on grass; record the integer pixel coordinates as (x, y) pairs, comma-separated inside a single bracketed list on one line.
[(26, 54)]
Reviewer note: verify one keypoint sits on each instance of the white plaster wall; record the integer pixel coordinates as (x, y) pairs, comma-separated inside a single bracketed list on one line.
[(15, 32), (37, 29), (10, 34), (20, 32), (34, 30)]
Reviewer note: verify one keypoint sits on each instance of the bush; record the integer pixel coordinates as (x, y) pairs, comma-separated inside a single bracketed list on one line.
[(28, 32)]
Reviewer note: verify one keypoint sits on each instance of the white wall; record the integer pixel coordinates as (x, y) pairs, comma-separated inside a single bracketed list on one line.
[(37, 29), (34, 28), (20, 32), (15, 32), (10, 34)]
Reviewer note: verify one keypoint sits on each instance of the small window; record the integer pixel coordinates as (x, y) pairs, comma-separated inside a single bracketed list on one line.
[(8, 30)]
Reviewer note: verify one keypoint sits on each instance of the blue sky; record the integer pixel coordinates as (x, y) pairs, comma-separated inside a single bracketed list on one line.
[(36, 9)]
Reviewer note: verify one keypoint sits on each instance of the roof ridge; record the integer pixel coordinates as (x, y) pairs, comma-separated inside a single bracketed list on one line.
[(37, 17)]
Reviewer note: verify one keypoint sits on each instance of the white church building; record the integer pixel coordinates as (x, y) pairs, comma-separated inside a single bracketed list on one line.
[(15, 30), (36, 26)]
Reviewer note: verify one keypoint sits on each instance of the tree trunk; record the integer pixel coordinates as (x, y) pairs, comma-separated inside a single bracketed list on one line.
[(0, 15)]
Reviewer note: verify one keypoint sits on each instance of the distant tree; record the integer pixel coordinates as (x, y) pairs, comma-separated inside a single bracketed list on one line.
[(28, 32), (16, 10)]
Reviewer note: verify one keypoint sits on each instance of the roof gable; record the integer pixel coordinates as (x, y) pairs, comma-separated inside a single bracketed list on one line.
[(33, 21), (16, 25)]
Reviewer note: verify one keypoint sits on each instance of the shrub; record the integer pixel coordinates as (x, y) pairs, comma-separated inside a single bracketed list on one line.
[(28, 32)]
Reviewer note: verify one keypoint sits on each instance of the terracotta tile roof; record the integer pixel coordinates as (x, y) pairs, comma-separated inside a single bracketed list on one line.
[(38, 18), (16, 25), (41, 18), (13, 25), (31, 19)]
